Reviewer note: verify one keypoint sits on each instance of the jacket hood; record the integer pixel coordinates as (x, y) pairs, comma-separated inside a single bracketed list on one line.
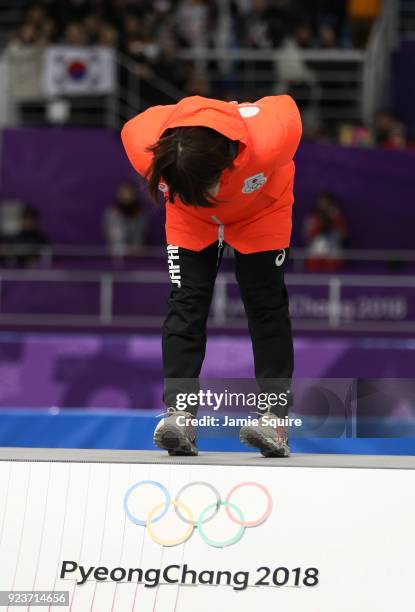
[(221, 116)]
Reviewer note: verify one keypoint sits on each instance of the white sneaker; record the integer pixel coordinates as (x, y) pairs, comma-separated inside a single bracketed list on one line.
[(174, 438), (270, 441)]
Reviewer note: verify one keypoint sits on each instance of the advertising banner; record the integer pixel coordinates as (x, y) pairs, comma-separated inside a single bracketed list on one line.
[(160, 537), (312, 302)]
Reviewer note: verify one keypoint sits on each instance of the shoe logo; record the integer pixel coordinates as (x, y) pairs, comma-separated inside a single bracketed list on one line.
[(174, 266), (142, 510), (280, 258), (254, 182)]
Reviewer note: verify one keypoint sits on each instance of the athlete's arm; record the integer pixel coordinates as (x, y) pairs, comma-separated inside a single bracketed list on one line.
[(287, 128), (141, 132)]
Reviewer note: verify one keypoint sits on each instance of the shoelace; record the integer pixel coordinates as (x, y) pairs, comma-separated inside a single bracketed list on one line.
[(171, 411)]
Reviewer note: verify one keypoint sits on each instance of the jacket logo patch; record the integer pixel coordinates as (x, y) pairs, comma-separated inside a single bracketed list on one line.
[(248, 110), (254, 182)]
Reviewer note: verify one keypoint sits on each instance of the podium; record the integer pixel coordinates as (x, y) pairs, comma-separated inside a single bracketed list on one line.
[(140, 531)]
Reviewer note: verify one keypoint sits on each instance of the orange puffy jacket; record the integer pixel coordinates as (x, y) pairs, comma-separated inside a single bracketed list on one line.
[(256, 195)]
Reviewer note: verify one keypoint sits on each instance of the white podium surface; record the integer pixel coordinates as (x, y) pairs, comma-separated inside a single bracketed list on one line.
[(137, 531)]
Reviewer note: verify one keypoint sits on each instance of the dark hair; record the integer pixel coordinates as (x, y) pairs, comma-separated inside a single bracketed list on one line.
[(190, 160)]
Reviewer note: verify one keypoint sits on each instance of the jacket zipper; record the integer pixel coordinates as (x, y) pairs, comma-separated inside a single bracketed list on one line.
[(221, 234), (221, 231)]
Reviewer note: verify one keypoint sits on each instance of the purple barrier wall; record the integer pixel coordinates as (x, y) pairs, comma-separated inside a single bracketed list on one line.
[(71, 175), (375, 189), (42, 371), (144, 305)]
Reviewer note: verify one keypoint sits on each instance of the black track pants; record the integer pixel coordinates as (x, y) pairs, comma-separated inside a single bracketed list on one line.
[(261, 281)]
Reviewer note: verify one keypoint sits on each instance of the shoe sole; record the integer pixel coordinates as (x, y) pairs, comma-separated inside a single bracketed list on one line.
[(267, 446), (172, 438)]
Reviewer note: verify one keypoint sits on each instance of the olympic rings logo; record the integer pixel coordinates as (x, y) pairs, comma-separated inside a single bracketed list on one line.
[(191, 522)]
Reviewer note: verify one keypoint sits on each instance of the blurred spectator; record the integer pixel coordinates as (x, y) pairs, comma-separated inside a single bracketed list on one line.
[(397, 137), (257, 30), (166, 66), (26, 245), (292, 69), (325, 235), (11, 210), (327, 37), (31, 238), (330, 13), (303, 36), (192, 22), (390, 132), (267, 23), (92, 27), (197, 84), (355, 136), (163, 79), (64, 11), (36, 15), (150, 32), (125, 222), (296, 78), (131, 29), (195, 23), (48, 32), (75, 34), (25, 52), (108, 35), (362, 14)]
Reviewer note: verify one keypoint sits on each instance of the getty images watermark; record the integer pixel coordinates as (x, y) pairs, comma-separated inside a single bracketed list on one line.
[(263, 403)]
